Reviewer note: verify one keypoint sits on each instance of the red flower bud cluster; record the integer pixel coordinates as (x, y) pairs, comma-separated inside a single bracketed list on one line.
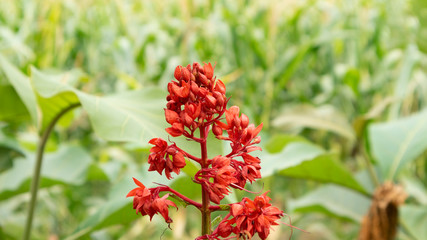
[(248, 218), (195, 97), (223, 176), (243, 137), (147, 201), (164, 157), (197, 101)]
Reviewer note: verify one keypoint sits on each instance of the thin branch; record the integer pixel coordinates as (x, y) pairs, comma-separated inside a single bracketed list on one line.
[(37, 169)]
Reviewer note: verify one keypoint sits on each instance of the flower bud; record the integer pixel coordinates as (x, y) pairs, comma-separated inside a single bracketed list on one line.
[(176, 130), (209, 70), (219, 86), (186, 119), (179, 160), (198, 67), (245, 120), (171, 116), (210, 100), (219, 98), (236, 121), (217, 130), (186, 74), (203, 79), (177, 73), (202, 92)]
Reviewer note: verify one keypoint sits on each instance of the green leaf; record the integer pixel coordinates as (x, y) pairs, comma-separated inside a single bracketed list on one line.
[(135, 116), (334, 201), (66, 166), (412, 56), (415, 189), (308, 161), (11, 107), (22, 86), (323, 117), (415, 220), (396, 143), (9, 151), (277, 142)]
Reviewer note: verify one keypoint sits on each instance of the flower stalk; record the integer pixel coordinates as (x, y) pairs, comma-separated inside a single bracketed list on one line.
[(206, 214), (37, 169)]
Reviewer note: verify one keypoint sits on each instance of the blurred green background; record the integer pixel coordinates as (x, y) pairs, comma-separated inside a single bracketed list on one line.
[(317, 73)]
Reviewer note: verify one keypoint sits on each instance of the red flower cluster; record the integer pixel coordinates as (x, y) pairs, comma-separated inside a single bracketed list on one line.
[(160, 158), (249, 217), (223, 176), (243, 137), (197, 101), (147, 201), (194, 98)]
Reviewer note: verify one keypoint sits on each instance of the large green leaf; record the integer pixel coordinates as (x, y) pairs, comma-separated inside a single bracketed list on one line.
[(412, 56), (323, 117), (415, 220), (11, 107), (333, 200), (416, 189), (22, 86), (277, 142), (398, 142), (135, 116), (66, 166), (308, 161)]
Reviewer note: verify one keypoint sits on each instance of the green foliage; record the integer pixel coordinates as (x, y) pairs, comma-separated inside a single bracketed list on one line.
[(397, 143), (66, 166), (415, 219), (22, 86), (333, 200), (304, 160)]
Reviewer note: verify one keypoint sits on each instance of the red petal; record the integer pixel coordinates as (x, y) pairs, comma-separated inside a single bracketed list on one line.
[(138, 182), (171, 116), (209, 70), (132, 192), (220, 87), (236, 209), (257, 130), (184, 90)]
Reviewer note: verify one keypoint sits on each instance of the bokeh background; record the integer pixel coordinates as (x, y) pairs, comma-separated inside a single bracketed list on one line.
[(317, 72)]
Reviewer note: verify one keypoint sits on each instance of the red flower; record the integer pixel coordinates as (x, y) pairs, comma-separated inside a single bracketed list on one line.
[(194, 99), (243, 137), (160, 158), (223, 176), (147, 201), (248, 218)]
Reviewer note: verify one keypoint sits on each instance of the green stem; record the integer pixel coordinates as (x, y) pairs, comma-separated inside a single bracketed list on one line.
[(36, 175), (371, 171), (206, 212)]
